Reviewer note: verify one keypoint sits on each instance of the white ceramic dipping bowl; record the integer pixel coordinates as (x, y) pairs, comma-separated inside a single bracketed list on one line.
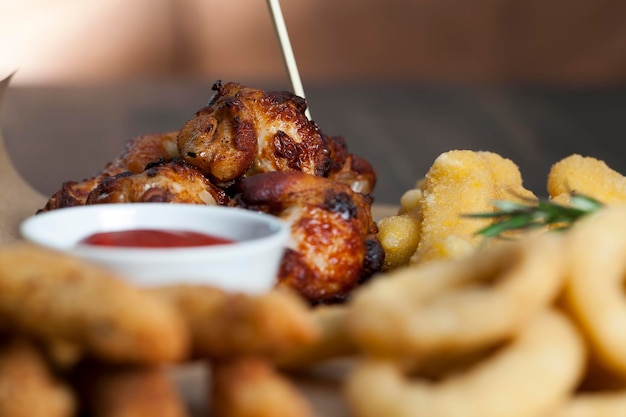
[(249, 265)]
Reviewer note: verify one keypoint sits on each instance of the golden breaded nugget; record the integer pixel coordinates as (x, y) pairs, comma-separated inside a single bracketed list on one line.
[(334, 341), (249, 387), (226, 325), (399, 236), (61, 354), (58, 297), (27, 387), (127, 391), (585, 176), (411, 200), (463, 182)]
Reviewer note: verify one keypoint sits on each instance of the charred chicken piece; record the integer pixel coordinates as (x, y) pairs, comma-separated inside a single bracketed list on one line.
[(173, 182), (73, 193), (240, 133), (146, 149), (137, 154), (334, 236), (348, 168), (244, 131)]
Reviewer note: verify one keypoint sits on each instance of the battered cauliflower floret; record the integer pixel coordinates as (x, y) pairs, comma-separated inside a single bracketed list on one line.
[(587, 176), (463, 182), (430, 224), (400, 234)]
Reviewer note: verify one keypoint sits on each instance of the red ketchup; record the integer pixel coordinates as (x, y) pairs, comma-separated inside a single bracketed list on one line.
[(153, 238)]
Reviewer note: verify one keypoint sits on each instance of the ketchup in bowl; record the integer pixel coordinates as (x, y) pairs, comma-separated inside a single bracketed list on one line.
[(152, 244), (153, 238)]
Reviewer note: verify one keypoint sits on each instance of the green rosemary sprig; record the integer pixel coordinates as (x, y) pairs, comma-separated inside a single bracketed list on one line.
[(511, 216)]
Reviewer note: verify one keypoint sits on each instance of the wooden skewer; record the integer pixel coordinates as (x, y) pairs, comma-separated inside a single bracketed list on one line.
[(285, 44)]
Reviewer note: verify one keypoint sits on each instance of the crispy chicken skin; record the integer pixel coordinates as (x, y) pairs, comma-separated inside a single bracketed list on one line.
[(174, 182), (72, 193), (244, 131), (146, 149), (137, 154), (334, 244), (349, 168)]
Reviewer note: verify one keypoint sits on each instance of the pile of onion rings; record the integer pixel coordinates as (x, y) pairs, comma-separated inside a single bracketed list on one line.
[(461, 336), (517, 329), (530, 377)]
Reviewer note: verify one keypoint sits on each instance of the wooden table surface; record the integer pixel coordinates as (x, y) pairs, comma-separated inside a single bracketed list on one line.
[(58, 134)]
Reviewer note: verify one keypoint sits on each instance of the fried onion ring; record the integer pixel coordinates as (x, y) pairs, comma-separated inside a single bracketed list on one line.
[(470, 302), (604, 403), (594, 292), (539, 369), (28, 387)]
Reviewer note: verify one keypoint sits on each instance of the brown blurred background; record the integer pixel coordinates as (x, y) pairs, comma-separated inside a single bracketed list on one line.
[(555, 41), (402, 80)]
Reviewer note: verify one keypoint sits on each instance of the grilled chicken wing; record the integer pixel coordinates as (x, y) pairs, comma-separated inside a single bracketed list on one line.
[(334, 244), (174, 182), (137, 154), (245, 131)]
